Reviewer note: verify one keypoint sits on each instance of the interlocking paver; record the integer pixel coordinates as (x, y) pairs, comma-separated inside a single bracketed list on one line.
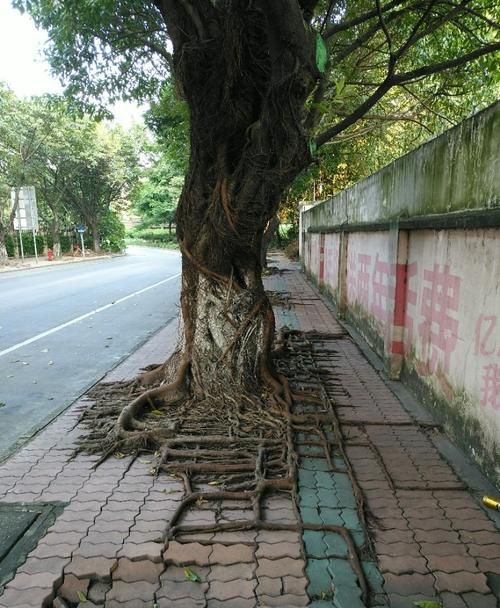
[(460, 582), (231, 554), (131, 571), (188, 553), (226, 590)]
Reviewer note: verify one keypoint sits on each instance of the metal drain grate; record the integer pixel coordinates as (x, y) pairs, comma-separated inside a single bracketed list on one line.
[(21, 527)]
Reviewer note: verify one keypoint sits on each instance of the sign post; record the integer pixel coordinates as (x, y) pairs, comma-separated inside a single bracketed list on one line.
[(26, 218), (81, 231)]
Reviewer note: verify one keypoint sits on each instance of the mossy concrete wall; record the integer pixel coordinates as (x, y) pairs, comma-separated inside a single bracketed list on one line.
[(411, 257)]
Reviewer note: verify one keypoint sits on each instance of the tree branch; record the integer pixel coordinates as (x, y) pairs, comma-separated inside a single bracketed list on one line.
[(342, 27), (428, 70), (357, 114)]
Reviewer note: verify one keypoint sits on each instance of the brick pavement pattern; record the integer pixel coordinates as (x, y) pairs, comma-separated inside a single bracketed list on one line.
[(431, 538)]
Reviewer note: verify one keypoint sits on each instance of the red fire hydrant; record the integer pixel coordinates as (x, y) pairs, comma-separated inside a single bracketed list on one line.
[(50, 255)]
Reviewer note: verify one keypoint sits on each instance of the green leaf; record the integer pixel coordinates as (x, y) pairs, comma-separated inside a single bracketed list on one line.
[(158, 413), (81, 596), (191, 576), (428, 604), (313, 146), (321, 53)]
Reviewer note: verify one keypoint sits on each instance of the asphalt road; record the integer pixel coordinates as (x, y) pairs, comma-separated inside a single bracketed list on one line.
[(63, 327)]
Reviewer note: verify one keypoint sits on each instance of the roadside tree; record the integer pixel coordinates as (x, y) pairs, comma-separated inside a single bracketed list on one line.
[(259, 79)]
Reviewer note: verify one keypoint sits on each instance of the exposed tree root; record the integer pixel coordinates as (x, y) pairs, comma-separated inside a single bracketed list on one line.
[(232, 446)]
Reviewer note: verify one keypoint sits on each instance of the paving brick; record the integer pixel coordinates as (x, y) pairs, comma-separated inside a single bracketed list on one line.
[(452, 600), (91, 567), (138, 551), (403, 564), (486, 551), (275, 568), (452, 563), (226, 590), (131, 571), (443, 549), (409, 584), (294, 585), (232, 572), (477, 600), (232, 603), (131, 592), (72, 587), (231, 554), (183, 554), (97, 592), (164, 602), (269, 586), (175, 590), (25, 598), (288, 601), (42, 580), (51, 565), (461, 582)]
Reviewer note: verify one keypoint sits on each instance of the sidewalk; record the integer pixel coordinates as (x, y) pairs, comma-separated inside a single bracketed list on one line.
[(428, 537), (31, 262)]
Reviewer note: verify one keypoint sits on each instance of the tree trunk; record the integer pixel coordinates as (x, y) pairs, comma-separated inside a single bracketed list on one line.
[(4, 258), (56, 238), (245, 72), (96, 242)]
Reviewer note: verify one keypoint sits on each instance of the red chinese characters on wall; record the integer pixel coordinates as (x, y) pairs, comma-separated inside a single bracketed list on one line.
[(438, 329), (485, 346)]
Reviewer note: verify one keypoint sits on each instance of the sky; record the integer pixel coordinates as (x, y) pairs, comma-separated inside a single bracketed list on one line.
[(23, 67)]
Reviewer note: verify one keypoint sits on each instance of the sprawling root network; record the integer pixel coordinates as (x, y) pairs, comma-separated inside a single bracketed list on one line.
[(233, 447)]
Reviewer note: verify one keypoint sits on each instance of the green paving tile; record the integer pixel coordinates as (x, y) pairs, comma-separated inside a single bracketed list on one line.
[(307, 479), (336, 544), (346, 498), (314, 464), (373, 576), (347, 597), (319, 578), (308, 498), (328, 498), (342, 481), (331, 517), (351, 519), (325, 480), (358, 537), (342, 573), (310, 515), (315, 544), (321, 604)]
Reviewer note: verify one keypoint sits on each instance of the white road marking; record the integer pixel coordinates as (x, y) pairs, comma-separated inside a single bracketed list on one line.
[(85, 316)]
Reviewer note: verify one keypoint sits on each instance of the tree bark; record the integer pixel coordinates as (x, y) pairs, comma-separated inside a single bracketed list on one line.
[(96, 243), (245, 71), (56, 238), (4, 258)]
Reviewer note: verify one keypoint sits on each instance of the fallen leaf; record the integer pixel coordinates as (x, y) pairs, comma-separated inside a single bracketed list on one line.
[(81, 596), (428, 604), (157, 413), (142, 461), (192, 576), (214, 483), (119, 455)]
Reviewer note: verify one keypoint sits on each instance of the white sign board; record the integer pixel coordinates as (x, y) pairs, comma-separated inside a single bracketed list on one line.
[(26, 212)]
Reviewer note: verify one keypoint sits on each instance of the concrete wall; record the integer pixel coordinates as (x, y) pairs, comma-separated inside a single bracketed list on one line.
[(411, 257)]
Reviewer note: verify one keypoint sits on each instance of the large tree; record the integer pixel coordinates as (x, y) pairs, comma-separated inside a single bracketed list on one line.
[(257, 76)]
